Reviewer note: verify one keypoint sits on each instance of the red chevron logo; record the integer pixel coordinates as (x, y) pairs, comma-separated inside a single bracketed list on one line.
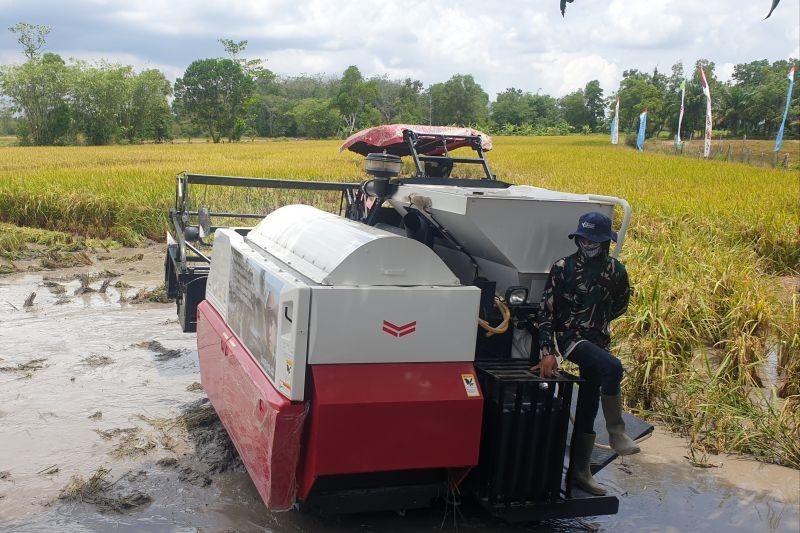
[(399, 331)]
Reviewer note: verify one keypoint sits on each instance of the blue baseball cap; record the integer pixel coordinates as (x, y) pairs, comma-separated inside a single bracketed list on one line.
[(596, 227)]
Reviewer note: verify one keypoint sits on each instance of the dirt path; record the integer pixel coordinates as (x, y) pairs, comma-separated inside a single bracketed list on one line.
[(104, 426)]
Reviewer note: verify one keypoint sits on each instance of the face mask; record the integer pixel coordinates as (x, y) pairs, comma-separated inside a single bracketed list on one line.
[(590, 250)]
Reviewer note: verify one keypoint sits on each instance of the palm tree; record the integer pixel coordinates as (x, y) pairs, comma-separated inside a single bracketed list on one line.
[(734, 112)]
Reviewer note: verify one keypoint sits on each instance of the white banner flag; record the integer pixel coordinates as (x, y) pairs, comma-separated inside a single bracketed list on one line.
[(615, 125), (680, 116), (707, 92)]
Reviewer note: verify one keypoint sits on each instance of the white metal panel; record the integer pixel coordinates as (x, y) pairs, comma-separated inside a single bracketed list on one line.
[(332, 250), (516, 233), (453, 194), (266, 306), (425, 324), (528, 235), (220, 273)]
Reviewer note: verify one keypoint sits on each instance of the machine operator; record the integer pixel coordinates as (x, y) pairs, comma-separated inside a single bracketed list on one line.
[(584, 292)]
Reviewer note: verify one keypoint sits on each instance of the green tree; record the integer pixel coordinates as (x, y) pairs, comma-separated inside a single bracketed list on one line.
[(32, 37), (213, 92), (98, 96), (146, 112), (516, 112), (544, 110), (512, 106), (316, 118), (269, 111), (459, 100), (387, 97), (735, 109), (412, 106), (758, 90), (38, 89), (315, 86), (595, 104), (573, 107), (354, 100), (252, 67), (638, 92), (8, 123)]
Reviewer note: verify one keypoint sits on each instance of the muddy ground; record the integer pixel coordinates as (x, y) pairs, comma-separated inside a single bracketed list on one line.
[(104, 426)]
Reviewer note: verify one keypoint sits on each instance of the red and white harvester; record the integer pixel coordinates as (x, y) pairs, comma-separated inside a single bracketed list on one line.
[(377, 354)]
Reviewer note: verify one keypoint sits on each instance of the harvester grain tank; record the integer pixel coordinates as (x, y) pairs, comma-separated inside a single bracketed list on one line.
[(379, 357)]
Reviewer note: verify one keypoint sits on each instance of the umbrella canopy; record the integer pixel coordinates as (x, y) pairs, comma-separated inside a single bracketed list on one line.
[(389, 138)]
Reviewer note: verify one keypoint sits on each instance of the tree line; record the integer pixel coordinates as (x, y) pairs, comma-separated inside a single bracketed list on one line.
[(47, 101)]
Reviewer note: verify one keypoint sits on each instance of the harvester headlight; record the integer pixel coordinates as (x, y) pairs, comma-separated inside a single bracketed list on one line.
[(516, 295)]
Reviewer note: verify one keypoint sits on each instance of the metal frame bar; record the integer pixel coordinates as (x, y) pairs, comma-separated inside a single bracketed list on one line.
[(181, 214), (413, 140), (267, 183), (626, 219)]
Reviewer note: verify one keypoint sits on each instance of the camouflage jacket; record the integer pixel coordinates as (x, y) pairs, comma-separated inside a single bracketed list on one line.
[(580, 299)]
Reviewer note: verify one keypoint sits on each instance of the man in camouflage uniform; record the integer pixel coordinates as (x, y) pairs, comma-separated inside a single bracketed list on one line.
[(584, 292)]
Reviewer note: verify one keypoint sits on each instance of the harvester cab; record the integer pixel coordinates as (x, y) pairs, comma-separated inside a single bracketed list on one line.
[(376, 353)]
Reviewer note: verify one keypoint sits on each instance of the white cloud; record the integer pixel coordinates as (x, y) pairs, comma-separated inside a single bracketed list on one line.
[(397, 73), (724, 72), (635, 23), (294, 62), (578, 71), (138, 63)]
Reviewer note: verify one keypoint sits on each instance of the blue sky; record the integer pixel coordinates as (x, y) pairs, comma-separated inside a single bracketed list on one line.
[(513, 43)]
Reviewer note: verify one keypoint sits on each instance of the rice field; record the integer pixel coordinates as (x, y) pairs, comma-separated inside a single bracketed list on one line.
[(711, 341)]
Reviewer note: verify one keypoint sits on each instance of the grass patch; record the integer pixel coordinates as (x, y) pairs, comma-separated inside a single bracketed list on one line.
[(20, 242), (99, 490), (154, 295), (25, 369), (97, 360)]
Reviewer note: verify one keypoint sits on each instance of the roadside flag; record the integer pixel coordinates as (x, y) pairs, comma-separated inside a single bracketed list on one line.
[(615, 125), (779, 139), (642, 126), (680, 116), (707, 92)]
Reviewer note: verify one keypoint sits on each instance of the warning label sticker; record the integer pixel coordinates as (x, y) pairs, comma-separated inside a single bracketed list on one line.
[(470, 385)]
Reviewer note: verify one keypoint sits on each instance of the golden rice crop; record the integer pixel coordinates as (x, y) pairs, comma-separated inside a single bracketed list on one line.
[(709, 327)]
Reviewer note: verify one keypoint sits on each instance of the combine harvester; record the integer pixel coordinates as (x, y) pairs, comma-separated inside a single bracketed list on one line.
[(380, 358)]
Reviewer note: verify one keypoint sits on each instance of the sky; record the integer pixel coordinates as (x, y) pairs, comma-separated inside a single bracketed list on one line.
[(524, 44)]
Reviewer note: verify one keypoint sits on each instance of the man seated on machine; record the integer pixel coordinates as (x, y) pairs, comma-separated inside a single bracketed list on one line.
[(584, 292)]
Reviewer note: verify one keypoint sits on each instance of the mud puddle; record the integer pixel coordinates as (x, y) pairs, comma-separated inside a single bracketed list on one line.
[(104, 426)]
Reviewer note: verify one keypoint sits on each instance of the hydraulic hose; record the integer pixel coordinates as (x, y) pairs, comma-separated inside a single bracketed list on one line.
[(503, 326)]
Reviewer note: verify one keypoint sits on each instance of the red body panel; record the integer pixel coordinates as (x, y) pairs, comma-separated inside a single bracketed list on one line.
[(384, 417), (265, 427)]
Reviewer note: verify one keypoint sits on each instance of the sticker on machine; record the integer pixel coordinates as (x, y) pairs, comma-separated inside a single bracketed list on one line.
[(470, 385)]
